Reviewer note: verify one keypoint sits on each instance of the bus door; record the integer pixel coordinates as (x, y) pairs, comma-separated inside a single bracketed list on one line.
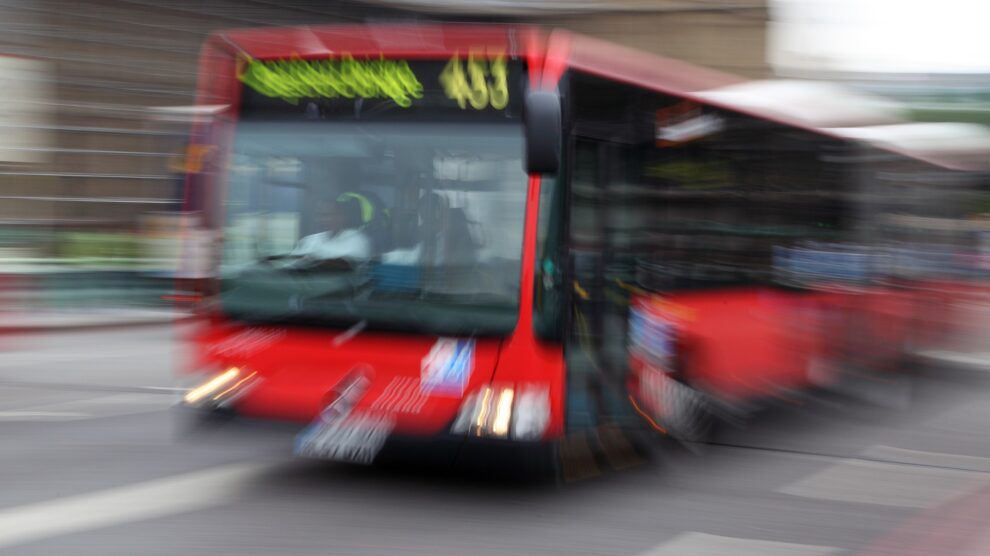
[(610, 215), (595, 341)]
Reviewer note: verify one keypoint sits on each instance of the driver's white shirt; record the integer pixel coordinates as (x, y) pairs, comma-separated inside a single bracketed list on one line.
[(345, 244)]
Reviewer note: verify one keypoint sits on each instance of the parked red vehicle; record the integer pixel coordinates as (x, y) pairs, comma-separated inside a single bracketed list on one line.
[(435, 232)]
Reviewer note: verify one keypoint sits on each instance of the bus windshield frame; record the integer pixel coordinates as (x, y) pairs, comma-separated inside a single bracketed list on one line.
[(441, 191)]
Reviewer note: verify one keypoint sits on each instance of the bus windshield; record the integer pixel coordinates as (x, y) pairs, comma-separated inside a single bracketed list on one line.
[(392, 225)]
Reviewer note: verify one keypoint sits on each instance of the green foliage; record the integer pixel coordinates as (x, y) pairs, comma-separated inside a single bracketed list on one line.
[(98, 248)]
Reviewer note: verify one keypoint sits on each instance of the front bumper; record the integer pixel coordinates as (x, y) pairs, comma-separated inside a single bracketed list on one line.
[(472, 456)]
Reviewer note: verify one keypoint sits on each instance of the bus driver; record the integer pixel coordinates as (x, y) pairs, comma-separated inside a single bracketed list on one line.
[(342, 237)]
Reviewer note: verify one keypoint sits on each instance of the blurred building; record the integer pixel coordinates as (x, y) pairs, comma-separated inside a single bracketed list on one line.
[(87, 143), (729, 35), (926, 97), (102, 154), (936, 62)]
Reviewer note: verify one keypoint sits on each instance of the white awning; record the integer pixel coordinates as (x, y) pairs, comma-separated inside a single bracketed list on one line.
[(809, 103), (959, 146)]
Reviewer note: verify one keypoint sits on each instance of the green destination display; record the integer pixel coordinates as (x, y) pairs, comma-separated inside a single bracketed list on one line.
[(346, 77), (479, 82)]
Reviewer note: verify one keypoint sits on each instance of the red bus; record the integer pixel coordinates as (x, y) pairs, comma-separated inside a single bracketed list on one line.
[(507, 235)]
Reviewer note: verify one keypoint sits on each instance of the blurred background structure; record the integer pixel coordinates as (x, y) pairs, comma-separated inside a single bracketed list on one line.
[(931, 57), (98, 96)]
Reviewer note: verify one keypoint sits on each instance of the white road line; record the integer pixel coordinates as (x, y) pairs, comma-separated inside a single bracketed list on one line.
[(702, 544), (42, 416), (149, 500), (886, 484), (163, 388), (91, 408), (48, 358), (974, 360), (932, 459), (118, 404)]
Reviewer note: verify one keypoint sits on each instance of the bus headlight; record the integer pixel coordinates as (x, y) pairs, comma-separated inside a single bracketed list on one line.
[(501, 412), (219, 388), (532, 414)]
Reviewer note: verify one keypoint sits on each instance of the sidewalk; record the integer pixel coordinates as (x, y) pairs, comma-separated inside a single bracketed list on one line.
[(956, 528), (82, 319)]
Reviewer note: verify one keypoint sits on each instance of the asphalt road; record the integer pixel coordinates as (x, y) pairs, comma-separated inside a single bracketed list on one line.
[(92, 462)]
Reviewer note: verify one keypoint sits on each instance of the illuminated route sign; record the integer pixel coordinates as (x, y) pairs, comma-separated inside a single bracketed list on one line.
[(475, 81), (292, 80), (480, 84)]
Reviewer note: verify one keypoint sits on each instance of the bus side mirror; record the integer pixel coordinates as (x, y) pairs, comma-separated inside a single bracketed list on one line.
[(543, 132)]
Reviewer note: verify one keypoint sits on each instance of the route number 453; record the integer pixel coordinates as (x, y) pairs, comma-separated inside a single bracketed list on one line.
[(480, 82)]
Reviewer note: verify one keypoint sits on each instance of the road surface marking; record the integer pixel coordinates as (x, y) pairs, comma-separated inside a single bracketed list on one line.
[(931, 459), (703, 544), (885, 484), (974, 360), (47, 358), (163, 388), (149, 500), (92, 408), (42, 416), (978, 547)]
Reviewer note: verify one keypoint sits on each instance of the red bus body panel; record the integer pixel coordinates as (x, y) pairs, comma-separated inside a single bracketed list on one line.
[(751, 344), (756, 343), (300, 367)]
